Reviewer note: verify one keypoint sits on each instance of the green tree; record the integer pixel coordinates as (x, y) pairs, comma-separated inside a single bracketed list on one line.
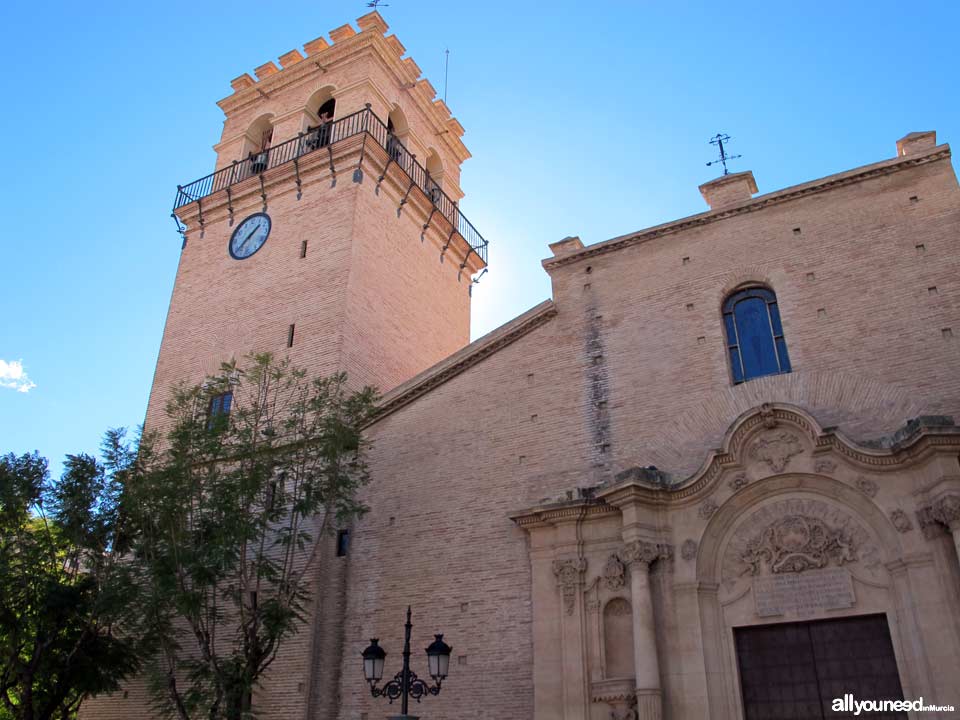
[(67, 625), (227, 509)]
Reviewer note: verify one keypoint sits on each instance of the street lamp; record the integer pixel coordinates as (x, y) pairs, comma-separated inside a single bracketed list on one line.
[(405, 683)]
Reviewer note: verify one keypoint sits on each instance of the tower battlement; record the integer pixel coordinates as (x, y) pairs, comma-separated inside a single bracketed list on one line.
[(391, 83)]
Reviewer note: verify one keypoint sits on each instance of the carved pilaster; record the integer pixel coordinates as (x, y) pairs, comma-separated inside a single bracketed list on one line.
[(946, 510), (569, 574), (649, 705), (614, 573)]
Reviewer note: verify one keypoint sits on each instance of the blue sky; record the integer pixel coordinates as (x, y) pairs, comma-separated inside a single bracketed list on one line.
[(587, 119)]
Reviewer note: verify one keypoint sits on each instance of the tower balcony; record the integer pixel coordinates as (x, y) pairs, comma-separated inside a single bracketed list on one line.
[(325, 138)]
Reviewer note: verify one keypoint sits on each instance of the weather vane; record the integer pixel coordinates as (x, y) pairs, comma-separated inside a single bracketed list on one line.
[(719, 139), (376, 4)]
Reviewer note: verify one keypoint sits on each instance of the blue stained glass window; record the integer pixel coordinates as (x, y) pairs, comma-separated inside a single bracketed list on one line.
[(754, 332)]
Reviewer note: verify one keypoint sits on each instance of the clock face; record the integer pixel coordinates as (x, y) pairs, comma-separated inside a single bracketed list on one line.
[(249, 236)]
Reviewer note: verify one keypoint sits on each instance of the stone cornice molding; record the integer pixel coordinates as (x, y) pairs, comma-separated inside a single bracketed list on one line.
[(830, 182), (613, 690), (919, 439), (464, 359), (549, 515)]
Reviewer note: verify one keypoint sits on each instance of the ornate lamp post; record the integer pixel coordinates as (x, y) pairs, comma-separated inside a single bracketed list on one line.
[(405, 683)]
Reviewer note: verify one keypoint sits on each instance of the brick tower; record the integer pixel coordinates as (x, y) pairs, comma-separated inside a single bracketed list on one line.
[(330, 230)]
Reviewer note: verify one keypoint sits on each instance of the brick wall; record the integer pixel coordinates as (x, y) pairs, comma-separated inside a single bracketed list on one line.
[(632, 371)]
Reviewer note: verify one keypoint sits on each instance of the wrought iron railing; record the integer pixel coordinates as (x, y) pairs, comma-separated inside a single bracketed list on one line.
[(363, 121)]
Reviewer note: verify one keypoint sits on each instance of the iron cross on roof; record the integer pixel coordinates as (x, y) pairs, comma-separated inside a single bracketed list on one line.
[(719, 139)]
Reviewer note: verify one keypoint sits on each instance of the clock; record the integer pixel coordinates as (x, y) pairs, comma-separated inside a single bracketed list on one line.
[(249, 236)]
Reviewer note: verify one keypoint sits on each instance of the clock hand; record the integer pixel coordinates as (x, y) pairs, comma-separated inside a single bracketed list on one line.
[(241, 247)]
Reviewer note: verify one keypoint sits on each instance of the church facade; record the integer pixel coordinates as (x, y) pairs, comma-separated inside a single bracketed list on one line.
[(715, 475)]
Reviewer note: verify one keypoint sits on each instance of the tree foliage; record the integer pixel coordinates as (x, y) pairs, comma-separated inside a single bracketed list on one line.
[(227, 509), (67, 622)]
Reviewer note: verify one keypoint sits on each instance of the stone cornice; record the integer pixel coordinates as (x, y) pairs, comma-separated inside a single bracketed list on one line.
[(464, 359), (555, 513), (867, 172), (920, 440)]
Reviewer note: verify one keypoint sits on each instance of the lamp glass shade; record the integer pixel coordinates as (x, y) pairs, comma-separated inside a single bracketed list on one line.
[(373, 661), (438, 658)]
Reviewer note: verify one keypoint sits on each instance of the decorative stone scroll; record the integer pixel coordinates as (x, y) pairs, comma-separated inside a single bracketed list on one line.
[(901, 521), (738, 482), (614, 573), (929, 525), (569, 573), (824, 466), (776, 449), (866, 486), (797, 543), (946, 510)]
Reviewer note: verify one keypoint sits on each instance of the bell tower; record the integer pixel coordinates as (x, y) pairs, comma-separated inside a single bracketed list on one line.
[(330, 229)]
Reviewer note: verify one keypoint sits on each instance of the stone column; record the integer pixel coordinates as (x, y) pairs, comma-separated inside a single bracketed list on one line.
[(946, 510), (638, 555)]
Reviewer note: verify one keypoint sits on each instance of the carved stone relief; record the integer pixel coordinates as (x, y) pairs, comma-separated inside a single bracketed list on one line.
[(866, 486), (824, 466), (688, 551), (707, 508), (929, 525), (796, 534), (644, 552), (796, 543), (776, 449), (901, 521), (614, 573), (946, 510), (569, 573), (738, 482)]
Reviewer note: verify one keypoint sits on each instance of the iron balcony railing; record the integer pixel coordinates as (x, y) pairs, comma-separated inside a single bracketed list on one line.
[(363, 121)]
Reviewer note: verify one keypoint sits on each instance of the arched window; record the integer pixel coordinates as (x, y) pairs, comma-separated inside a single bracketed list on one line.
[(434, 176), (755, 339)]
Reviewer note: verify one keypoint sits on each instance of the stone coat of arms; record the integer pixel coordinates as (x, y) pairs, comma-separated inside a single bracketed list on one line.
[(796, 543)]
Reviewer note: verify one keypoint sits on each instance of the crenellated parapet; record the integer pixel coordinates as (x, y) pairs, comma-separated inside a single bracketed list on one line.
[(316, 65)]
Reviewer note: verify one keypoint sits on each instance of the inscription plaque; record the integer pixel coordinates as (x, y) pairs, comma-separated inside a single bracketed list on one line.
[(803, 593)]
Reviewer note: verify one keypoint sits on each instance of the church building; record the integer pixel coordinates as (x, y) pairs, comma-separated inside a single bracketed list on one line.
[(716, 475)]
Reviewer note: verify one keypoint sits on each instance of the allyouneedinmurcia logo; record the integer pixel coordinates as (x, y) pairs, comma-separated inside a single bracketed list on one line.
[(848, 704)]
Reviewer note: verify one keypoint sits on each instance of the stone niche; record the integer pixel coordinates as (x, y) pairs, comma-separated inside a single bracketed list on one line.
[(609, 626)]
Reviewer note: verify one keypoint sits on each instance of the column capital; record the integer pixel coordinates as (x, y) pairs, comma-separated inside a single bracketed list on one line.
[(946, 510), (642, 553)]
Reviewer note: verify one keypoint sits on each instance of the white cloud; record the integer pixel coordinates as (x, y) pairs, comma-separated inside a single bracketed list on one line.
[(13, 376)]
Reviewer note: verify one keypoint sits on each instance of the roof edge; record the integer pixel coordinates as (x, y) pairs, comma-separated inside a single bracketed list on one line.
[(463, 359), (793, 192)]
